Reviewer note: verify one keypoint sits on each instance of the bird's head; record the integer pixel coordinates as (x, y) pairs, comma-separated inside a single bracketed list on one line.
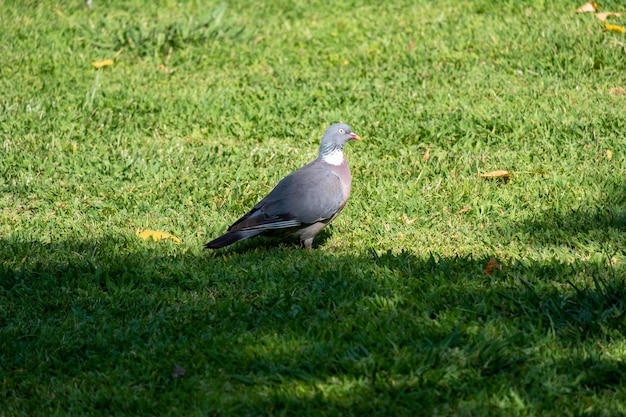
[(336, 136)]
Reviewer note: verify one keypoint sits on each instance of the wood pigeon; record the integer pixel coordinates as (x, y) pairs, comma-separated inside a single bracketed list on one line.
[(304, 201)]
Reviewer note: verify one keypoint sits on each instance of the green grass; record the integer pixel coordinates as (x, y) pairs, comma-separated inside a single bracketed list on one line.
[(392, 313)]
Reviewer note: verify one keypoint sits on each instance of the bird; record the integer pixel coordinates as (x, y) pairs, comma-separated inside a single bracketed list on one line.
[(303, 202)]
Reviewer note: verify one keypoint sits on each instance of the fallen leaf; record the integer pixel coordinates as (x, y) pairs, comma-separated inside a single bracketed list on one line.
[(407, 220), (165, 69), (588, 7), (464, 210), (178, 372), (617, 91), (614, 28), (156, 235), (103, 63), (603, 15), (609, 154), (500, 174), (491, 265)]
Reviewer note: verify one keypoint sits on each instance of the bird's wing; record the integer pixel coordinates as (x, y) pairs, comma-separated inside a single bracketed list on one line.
[(311, 194)]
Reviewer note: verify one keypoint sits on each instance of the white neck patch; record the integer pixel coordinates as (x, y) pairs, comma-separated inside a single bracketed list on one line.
[(334, 158)]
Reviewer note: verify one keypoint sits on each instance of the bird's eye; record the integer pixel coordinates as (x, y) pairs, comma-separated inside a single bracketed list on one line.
[(341, 131)]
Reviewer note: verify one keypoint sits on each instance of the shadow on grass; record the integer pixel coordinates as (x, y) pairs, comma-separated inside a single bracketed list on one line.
[(587, 226), (100, 327), (597, 223)]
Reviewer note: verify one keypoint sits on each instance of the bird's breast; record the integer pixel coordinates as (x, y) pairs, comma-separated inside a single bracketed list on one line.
[(343, 173)]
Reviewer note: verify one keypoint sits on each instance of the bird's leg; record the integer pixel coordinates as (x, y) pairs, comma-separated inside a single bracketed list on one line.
[(308, 244)]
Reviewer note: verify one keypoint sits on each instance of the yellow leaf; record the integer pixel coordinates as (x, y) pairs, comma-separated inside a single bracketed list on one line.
[(103, 63), (156, 235), (614, 28), (602, 16), (495, 174), (166, 69), (588, 7), (617, 91), (609, 154), (426, 156), (406, 219)]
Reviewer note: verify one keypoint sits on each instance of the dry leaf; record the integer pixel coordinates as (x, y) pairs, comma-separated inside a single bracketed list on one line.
[(407, 220), (426, 156), (603, 15), (165, 69), (617, 91), (464, 210), (491, 265), (502, 174), (614, 28), (609, 154), (103, 63), (588, 7), (156, 235)]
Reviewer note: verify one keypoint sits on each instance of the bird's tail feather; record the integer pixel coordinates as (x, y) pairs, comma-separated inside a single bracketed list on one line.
[(231, 237)]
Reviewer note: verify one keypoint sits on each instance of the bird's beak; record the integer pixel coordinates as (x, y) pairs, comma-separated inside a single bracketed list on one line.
[(355, 136)]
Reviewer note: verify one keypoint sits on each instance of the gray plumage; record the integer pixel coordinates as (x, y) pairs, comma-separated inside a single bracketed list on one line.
[(303, 202)]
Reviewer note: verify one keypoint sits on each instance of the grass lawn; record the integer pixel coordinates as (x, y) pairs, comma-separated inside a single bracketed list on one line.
[(396, 311)]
